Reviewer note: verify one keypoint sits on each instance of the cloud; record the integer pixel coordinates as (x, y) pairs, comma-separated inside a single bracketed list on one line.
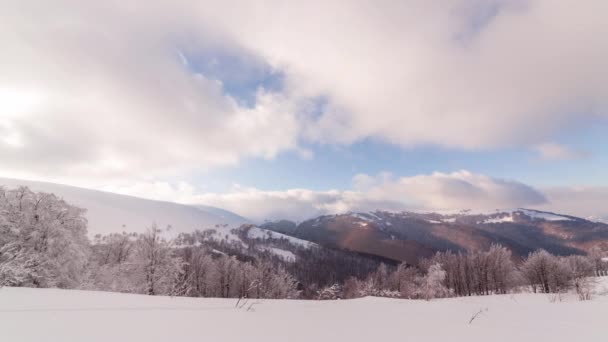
[(434, 192), (553, 151), (110, 90), (464, 74), (100, 91), (456, 190), (586, 201)]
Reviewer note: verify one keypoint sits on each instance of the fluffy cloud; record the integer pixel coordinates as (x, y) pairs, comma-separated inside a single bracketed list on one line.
[(457, 190), (587, 202), (553, 151), (100, 90), (106, 89), (459, 73), (434, 192)]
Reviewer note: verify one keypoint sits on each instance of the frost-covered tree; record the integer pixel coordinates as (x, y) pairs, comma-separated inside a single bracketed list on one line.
[(600, 266), (199, 266), (546, 273), (115, 248), (537, 270), (381, 277), (581, 272), (43, 240), (432, 284), (157, 268), (405, 277), (478, 272), (330, 292), (351, 288), (502, 270), (225, 274)]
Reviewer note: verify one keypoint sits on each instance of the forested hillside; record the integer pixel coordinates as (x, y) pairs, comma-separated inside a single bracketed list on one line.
[(44, 243)]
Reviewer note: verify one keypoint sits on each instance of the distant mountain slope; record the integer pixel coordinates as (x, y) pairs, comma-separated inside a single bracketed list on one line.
[(408, 236), (280, 226), (405, 236), (108, 212)]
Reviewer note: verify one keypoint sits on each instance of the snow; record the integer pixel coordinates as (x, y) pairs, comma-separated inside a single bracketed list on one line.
[(363, 217), (286, 255), (111, 213), (32, 315), (376, 217), (533, 214), (259, 233), (503, 219), (225, 233), (543, 215), (218, 252), (598, 219)]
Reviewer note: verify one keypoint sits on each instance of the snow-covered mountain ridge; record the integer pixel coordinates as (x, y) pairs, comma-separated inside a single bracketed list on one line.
[(109, 212), (400, 236), (407, 236)]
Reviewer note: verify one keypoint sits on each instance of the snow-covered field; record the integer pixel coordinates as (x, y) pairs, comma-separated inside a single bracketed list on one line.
[(67, 315)]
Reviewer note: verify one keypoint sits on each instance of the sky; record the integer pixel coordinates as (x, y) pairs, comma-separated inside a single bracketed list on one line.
[(284, 109)]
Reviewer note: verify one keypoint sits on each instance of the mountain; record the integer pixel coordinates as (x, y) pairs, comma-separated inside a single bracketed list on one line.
[(405, 236), (109, 212), (408, 236), (280, 226)]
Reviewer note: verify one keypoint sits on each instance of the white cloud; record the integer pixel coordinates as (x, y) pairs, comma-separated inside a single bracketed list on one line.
[(585, 201), (460, 73), (554, 151), (96, 91), (457, 190), (103, 90), (434, 192)]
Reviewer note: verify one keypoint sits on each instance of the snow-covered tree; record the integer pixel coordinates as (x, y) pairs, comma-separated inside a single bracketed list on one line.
[(502, 270), (43, 242), (537, 270), (581, 272), (596, 255), (157, 268), (115, 248), (405, 278), (225, 274), (351, 288), (546, 273), (432, 284), (330, 292), (200, 267)]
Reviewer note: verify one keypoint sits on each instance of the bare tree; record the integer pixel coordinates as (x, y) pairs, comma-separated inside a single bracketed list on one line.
[(581, 272), (600, 266), (155, 262), (537, 270)]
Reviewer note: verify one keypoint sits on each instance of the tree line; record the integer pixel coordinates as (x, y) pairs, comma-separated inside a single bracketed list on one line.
[(449, 274)]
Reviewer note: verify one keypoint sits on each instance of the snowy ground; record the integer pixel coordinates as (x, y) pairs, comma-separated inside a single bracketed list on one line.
[(67, 315)]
